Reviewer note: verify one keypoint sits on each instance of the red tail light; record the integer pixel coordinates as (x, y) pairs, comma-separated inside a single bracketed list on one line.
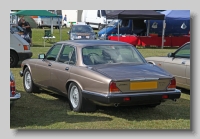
[(12, 87), (165, 96), (113, 88), (127, 99), (172, 85)]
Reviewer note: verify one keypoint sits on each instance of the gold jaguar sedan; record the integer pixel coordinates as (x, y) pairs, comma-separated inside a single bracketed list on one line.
[(177, 63), (98, 72)]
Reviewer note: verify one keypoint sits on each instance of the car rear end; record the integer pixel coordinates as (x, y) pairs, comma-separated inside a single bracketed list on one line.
[(13, 94), (137, 85)]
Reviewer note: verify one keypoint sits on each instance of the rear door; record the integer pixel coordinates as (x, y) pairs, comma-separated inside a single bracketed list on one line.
[(60, 70)]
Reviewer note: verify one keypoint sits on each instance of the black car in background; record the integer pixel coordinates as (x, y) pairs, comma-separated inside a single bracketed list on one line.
[(81, 32)]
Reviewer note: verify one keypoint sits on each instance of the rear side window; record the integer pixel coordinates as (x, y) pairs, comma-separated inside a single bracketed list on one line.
[(67, 55)]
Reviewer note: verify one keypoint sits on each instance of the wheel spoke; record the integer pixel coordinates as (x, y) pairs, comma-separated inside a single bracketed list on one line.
[(74, 96), (27, 80)]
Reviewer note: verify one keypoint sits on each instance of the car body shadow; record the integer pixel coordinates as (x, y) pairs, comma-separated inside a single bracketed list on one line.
[(42, 110)]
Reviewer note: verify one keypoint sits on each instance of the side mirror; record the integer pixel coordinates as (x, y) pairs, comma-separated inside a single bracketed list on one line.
[(41, 56), (170, 54), (151, 62)]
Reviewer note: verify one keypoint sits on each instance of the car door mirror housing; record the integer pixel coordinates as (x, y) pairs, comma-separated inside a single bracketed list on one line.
[(170, 54), (151, 62), (41, 56)]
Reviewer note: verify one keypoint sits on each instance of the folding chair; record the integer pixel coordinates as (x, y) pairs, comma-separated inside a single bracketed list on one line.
[(48, 36)]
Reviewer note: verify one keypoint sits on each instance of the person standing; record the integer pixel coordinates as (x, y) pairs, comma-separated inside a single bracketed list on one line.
[(65, 21), (20, 20), (25, 25)]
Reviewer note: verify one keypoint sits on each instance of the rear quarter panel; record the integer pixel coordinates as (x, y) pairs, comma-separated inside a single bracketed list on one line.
[(90, 80)]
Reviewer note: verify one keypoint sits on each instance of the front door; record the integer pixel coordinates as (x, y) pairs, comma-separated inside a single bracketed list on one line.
[(42, 76)]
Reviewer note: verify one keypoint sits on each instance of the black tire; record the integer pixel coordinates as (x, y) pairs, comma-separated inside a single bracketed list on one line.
[(28, 83), (13, 59), (77, 102)]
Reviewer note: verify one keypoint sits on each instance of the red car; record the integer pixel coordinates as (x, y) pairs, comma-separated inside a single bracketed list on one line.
[(13, 94)]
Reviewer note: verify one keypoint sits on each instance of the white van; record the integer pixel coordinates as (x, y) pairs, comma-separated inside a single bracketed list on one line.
[(19, 49), (73, 17), (94, 18)]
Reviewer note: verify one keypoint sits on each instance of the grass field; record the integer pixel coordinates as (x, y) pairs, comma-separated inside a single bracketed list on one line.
[(50, 111)]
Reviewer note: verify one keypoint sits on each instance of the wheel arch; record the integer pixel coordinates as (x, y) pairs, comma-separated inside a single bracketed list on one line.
[(12, 50), (26, 66), (73, 81)]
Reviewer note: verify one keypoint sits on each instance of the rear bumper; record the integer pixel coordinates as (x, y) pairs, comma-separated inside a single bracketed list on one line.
[(16, 97), (135, 98), (23, 56)]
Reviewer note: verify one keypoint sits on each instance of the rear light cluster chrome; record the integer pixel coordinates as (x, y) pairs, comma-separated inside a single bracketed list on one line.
[(12, 88), (172, 85), (113, 88)]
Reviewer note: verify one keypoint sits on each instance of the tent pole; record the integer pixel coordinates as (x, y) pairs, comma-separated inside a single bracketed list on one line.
[(163, 34), (148, 27), (118, 29), (106, 29), (51, 25), (59, 27)]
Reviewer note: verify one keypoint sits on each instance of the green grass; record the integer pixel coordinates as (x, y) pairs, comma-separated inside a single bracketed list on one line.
[(50, 111)]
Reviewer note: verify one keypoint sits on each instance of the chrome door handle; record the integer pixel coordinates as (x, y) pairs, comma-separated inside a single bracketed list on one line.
[(66, 68), (49, 64)]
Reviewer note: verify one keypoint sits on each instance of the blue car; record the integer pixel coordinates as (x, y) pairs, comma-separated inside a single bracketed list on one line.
[(126, 26), (13, 94)]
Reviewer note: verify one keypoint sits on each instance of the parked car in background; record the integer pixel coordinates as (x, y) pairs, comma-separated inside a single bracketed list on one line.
[(81, 32), (13, 94), (19, 47), (125, 27), (177, 63), (20, 31), (98, 72)]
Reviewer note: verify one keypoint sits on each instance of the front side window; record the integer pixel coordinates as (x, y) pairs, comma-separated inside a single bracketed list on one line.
[(53, 52), (94, 55), (184, 52), (103, 13), (124, 23)]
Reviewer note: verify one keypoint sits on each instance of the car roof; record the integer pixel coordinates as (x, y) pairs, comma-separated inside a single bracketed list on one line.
[(81, 25), (83, 43)]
